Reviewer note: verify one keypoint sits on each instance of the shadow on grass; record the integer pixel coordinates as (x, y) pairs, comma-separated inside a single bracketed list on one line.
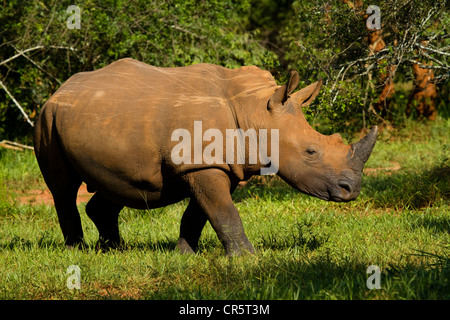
[(303, 236), (44, 242), (318, 278), (47, 243), (165, 245), (434, 224), (414, 190), (322, 279)]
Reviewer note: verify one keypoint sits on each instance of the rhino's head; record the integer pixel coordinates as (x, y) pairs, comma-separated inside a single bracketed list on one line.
[(318, 165)]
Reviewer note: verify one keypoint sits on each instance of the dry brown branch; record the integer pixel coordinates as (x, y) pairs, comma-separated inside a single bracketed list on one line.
[(14, 145)]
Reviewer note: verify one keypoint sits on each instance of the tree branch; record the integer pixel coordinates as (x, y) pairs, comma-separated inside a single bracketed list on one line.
[(17, 104), (20, 53), (37, 65), (14, 145), (432, 50), (378, 56), (423, 66)]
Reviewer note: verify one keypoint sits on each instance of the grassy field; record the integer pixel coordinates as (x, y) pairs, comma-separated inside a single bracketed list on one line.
[(307, 248)]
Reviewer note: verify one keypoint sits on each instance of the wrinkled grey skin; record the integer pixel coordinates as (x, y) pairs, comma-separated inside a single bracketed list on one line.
[(111, 128)]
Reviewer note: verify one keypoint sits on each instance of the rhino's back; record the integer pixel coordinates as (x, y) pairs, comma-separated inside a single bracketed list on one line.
[(133, 81)]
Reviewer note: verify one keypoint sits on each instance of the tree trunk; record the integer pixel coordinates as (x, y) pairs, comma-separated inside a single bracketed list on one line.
[(424, 92), (386, 75), (376, 43)]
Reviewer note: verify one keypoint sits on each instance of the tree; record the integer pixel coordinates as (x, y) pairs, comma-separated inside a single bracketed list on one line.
[(329, 39), (424, 92), (38, 51)]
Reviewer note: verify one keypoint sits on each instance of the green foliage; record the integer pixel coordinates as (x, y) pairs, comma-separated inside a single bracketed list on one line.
[(166, 34), (329, 40)]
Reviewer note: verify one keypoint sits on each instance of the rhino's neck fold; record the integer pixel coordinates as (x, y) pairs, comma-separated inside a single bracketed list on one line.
[(235, 118)]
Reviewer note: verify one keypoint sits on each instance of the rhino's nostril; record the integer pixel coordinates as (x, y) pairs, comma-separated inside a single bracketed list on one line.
[(346, 186)]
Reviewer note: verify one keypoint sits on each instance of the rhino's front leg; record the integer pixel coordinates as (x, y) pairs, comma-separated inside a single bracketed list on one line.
[(211, 190)]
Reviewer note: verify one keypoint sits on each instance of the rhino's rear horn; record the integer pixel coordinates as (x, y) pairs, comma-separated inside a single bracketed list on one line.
[(362, 149)]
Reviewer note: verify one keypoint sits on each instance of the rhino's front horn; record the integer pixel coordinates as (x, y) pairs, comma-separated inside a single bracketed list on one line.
[(362, 149)]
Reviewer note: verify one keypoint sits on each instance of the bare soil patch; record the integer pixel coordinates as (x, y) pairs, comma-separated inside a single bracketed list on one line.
[(44, 196), (395, 166)]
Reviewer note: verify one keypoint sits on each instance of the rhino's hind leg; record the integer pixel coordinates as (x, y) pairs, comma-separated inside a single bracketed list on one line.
[(61, 178), (64, 183), (191, 228), (68, 216), (105, 214)]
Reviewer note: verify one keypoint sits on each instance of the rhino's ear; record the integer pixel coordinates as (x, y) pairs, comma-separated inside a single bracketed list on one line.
[(306, 96), (282, 93)]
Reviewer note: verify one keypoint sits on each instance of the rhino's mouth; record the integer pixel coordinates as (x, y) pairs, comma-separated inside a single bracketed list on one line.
[(344, 188), (326, 195)]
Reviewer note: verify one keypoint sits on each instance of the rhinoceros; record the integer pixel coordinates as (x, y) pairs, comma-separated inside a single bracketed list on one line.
[(116, 128)]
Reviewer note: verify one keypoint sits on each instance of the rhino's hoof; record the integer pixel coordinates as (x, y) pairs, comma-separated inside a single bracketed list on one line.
[(240, 249), (183, 247), (107, 245), (80, 245)]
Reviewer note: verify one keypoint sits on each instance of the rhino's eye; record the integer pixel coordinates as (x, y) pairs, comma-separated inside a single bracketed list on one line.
[(311, 151)]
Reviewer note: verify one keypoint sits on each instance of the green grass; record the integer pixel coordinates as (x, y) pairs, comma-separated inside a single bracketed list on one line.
[(307, 248)]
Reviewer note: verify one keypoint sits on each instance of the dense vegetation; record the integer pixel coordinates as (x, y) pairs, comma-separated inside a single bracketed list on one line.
[(327, 40)]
